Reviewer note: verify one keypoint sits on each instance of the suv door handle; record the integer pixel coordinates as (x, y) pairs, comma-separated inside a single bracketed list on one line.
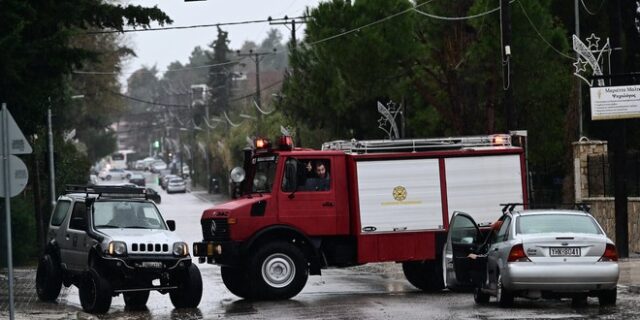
[(328, 204), (67, 237)]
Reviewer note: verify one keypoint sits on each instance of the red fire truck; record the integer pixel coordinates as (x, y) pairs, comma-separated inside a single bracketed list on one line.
[(377, 201)]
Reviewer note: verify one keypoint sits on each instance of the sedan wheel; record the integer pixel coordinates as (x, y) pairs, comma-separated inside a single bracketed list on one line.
[(505, 297)]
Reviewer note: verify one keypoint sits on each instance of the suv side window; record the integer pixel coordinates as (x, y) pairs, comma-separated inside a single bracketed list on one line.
[(78, 220), (62, 207), (502, 233)]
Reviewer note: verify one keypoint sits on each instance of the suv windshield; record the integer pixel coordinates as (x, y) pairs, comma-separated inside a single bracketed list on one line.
[(126, 214), (265, 172)]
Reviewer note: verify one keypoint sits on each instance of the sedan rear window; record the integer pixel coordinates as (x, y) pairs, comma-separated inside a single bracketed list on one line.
[(556, 223)]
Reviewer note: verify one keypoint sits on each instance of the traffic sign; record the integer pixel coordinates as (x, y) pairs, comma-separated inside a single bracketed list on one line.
[(18, 144), (19, 176)]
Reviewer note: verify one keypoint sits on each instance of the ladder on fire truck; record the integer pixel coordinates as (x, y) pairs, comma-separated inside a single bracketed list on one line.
[(415, 145)]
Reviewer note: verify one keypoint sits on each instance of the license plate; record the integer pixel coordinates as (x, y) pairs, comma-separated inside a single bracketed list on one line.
[(152, 264), (564, 252)]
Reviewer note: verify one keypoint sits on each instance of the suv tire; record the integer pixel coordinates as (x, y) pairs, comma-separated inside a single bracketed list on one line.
[(108, 177), (236, 281), (136, 300), (189, 290), (278, 271), (48, 278), (479, 296), (95, 292)]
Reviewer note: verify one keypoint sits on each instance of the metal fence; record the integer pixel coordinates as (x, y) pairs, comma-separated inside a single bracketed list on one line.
[(600, 175)]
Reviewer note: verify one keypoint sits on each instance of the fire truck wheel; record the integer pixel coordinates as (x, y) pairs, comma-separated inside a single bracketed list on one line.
[(48, 279), (236, 280), (189, 292), (424, 275), (278, 271)]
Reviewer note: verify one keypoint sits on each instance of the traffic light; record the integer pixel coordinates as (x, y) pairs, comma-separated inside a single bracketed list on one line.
[(156, 144)]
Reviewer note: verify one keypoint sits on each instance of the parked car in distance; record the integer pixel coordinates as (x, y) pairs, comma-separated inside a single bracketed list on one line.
[(164, 180), (157, 165), (112, 173), (176, 185), (144, 163), (137, 179), (533, 254)]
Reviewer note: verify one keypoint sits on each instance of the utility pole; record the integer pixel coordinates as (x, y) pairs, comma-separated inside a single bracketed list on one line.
[(576, 8), (257, 57), (285, 21), (507, 65), (619, 142)]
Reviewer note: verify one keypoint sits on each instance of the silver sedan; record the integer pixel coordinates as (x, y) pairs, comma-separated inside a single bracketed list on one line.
[(533, 254)]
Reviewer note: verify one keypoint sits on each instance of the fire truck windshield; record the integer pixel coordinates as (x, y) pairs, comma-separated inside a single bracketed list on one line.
[(265, 172)]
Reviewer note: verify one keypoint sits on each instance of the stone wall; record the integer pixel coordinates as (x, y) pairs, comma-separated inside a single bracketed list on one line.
[(602, 208)]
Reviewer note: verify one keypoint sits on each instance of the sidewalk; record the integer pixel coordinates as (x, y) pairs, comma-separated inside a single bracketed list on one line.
[(214, 198)]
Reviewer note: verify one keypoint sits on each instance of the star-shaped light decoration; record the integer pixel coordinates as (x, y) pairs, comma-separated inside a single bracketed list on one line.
[(580, 65), (593, 41)]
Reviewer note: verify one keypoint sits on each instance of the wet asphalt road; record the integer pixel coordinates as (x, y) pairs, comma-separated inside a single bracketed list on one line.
[(377, 291)]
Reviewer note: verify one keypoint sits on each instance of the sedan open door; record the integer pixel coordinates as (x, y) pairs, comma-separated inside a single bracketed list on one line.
[(464, 237)]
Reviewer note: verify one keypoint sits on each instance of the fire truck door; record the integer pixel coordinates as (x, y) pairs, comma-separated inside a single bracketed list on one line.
[(463, 238), (307, 197)]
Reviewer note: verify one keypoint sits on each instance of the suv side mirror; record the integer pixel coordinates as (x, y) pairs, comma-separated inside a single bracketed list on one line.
[(172, 225)]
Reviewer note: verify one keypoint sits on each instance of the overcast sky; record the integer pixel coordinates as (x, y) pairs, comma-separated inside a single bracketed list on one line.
[(163, 47)]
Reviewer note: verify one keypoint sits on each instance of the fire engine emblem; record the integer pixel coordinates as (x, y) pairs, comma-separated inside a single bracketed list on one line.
[(214, 227), (399, 193)]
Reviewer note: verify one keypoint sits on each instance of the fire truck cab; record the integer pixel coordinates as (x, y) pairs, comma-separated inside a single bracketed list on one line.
[(351, 203)]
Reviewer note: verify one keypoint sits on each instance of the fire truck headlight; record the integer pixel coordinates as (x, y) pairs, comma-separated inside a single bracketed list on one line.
[(237, 175)]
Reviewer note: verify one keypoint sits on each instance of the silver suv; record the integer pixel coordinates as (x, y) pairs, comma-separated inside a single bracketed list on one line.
[(108, 240)]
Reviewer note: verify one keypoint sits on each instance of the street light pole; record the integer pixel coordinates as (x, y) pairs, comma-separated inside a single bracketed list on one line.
[(52, 183)]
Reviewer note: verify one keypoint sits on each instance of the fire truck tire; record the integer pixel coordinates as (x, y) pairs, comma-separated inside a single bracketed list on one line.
[(424, 275), (95, 292), (237, 281), (189, 292), (48, 279), (278, 271)]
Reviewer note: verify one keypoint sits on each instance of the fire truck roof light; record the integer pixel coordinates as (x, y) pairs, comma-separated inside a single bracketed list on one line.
[(261, 143), (501, 140), (285, 143)]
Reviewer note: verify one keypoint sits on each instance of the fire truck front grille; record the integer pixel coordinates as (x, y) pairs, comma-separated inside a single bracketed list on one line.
[(215, 229)]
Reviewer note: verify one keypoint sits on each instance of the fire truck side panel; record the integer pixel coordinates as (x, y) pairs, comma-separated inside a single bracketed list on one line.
[(478, 185), (396, 247), (399, 195)]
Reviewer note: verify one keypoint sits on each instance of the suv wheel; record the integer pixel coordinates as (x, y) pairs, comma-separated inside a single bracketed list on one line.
[(48, 279), (278, 271), (95, 293), (236, 280), (136, 300), (479, 296), (189, 290), (108, 177)]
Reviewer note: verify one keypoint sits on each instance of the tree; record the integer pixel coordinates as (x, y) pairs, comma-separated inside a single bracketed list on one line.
[(334, 80)]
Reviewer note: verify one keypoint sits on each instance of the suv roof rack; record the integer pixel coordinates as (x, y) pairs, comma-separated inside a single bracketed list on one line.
[(108, 191), (414, 145)]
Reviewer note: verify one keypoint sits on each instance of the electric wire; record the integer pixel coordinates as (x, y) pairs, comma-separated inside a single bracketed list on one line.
[(593, 13), (208, 25), (438, 17), (541, 36)]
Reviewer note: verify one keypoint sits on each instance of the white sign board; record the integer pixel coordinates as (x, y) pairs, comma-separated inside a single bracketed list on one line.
[(621, 102), (19, 176), (18, 144)]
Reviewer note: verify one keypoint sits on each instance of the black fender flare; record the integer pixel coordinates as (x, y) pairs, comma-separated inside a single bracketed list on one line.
[(53, 249), (309, 247)]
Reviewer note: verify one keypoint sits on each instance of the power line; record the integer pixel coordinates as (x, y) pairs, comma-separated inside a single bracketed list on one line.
[(434, 16), (209, 25), (148, 102), (593, 13), (541, 36), (161, 71)]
